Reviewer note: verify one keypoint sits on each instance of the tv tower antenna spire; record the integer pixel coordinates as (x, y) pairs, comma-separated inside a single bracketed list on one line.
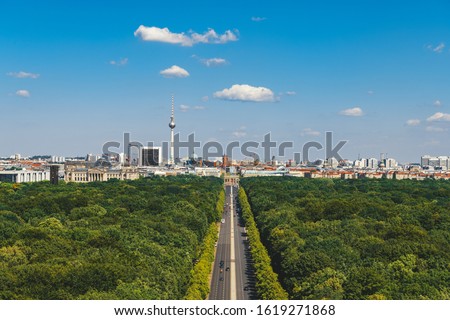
[(172, 126)]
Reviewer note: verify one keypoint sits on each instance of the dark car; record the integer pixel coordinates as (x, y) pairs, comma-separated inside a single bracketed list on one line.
[(221, 279), (227, 269)]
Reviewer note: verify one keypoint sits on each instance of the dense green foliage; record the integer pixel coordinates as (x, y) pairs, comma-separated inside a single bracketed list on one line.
[(355, 239), (108, 240), (199, 285), (267, 285)]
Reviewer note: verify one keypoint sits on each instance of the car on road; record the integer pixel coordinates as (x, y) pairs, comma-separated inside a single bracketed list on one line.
[(223, 220), (227, 269), (221, 279), (245, 288)]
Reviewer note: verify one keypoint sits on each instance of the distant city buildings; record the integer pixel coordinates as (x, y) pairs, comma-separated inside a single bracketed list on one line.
[(372, 163), (57, 159), (433, 163), (390, 163), (151, 161), (20, 176)]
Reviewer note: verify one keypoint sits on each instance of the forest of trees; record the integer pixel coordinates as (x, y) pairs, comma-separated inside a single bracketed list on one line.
[(355, 239), (108, 240), (267, 285)]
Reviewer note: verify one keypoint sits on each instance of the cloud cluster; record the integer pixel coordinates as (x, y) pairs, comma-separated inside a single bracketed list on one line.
[(23, 75), (352, 112), (174, 72), (435, 118), (437, 103), (165, 35), (439, 116), (247, 93), (438, 49), (214, 62), (413, 122), (186, 108), (23, 93)]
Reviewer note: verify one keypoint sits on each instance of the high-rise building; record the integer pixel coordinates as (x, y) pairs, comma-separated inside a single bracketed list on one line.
[(54, 174), (172, 126), (443, 161), (433, 162), (121, 158), (150, 156), (332, 162), (390, 163), (359, 163), (372, 163), (425, 160)]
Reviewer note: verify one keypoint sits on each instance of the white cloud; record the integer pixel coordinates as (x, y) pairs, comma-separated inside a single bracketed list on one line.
[(258, 19), (23, 93), (370, 92), (413, 122), (22, 75), (438, 49), (165, 35), (214, 62), (290, 93), (435, 129), (309, 132), (184, 108), (162, 35), (439, 116), (437, 103), (174, 72), (119, 63), (240, 133), (211, 36), (245, 92), (352, 112), (205, 98)]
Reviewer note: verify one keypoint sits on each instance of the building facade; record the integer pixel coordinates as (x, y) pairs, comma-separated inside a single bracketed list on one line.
[(84, 174), (19, 176), (150, 156)]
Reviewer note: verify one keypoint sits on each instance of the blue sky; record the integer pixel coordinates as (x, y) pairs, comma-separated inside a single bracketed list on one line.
[(74, 75)]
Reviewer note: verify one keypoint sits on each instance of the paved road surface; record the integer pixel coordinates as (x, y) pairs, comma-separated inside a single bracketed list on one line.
[(233, 276)]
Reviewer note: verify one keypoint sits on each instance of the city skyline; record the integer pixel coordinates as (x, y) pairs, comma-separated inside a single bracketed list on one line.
[(74, 76)]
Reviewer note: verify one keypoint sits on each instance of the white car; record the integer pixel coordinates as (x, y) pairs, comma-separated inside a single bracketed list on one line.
[(223, 220)]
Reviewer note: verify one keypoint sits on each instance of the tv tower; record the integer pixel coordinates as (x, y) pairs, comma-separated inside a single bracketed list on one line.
[(172, 126)]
